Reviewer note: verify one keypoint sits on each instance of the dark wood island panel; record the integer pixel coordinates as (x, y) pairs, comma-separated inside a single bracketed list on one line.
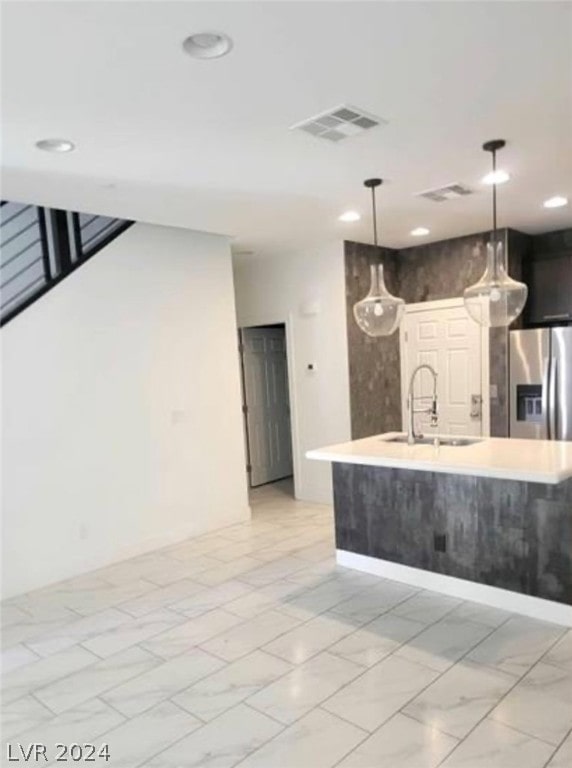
[(503, 533)]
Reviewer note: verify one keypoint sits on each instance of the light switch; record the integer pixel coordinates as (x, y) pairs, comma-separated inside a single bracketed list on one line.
[(494, 392)]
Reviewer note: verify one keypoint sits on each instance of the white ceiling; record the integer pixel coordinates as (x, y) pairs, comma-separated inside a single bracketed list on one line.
[(205, 144)]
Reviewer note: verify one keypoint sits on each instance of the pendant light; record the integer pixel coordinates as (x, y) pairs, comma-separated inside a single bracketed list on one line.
[(379, 313), (496, 300)]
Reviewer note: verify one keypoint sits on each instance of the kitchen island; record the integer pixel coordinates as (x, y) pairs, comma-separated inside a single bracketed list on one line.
[(489, 521)]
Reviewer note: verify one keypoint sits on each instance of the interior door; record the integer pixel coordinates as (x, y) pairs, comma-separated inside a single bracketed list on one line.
[(449, 341), (267, 407)]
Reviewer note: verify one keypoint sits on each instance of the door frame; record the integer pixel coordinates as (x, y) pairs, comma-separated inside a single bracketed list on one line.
[(288, 323), (455, 303)]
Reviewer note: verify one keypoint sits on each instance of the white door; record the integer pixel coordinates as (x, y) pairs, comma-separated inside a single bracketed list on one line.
[(267, 407), (447, 339)]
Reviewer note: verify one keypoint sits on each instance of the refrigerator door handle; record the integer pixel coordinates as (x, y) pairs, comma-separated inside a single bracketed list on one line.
[(546, 396), (552, 398)]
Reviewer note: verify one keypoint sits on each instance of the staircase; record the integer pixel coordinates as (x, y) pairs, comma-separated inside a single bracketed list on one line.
[(39, 247)]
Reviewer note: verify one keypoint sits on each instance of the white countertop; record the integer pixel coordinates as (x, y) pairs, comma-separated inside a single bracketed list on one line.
[(534, 461)]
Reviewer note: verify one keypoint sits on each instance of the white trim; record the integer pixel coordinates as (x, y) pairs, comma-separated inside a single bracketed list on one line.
[(486, 382), (429, 306), (288, 323), (515, 602), (403, 370), (422, 306)]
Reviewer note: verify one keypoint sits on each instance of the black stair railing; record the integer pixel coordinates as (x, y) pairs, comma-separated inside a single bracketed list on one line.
[(39, 247)]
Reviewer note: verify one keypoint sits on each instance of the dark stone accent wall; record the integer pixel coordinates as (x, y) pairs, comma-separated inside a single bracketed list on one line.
[(498, 377), (428, 272), (503, 533), (441, 270), (375, 397)]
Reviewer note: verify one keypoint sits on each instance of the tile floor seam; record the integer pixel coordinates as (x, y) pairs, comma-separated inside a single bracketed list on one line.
[(195, 645), (27, 647), (95, 653), (203, 724), (320, 572), (343, 600), (568, 735), (418, 693), (458, 661), (240, 576), (150, 756), (356, 746), (118, 606), (553, 663), (152, 653), (262, 647), (124, 718), (167, 698), (523, 733), (34, 638), (369, 669), (503, 697), (345, 720), (79, 671), (468, 651), (246, 703), (371, 734), (286, 727), (96, 659), (416, 663), (458, 739), (32, 694), (180, 612), (520, 730), (281, 677)]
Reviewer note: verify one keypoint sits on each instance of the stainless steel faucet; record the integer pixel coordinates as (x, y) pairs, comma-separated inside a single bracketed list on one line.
[(432, 409)]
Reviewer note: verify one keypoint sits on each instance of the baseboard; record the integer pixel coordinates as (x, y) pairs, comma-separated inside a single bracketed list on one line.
[(181, 534), (515, 602), (82, 565)]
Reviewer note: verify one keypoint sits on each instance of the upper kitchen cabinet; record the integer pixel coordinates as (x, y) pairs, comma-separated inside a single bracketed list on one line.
[(549, 277)]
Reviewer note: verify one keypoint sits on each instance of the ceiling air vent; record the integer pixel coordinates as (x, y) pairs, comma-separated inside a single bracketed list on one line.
[(449, 192), (339, 123)]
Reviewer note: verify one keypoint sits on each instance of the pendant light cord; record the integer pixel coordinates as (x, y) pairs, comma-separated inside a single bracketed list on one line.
[(494, 198), (374, 215)]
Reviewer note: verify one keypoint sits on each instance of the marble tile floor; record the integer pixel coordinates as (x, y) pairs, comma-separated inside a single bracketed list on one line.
[(249, 647)]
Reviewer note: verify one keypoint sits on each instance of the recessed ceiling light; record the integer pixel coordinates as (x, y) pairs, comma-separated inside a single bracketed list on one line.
[(496, 177), (350, 216), (55, 145), (555, 202), (207, 45), (419, 231)]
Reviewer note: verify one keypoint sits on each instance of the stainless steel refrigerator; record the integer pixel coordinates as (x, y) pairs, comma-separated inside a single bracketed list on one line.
[(541, 383)]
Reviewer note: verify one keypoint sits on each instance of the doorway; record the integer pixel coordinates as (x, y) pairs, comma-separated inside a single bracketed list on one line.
[(442, 334), (266, 404)]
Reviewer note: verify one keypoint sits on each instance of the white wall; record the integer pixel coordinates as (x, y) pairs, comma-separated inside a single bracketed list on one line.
[(121, 411), (306, 290)]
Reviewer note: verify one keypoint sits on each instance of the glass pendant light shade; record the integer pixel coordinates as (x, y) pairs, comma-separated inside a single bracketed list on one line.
[(380, 312), (496, 300)]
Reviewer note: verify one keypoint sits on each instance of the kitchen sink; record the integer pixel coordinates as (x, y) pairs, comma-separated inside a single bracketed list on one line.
[(437, 441)]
